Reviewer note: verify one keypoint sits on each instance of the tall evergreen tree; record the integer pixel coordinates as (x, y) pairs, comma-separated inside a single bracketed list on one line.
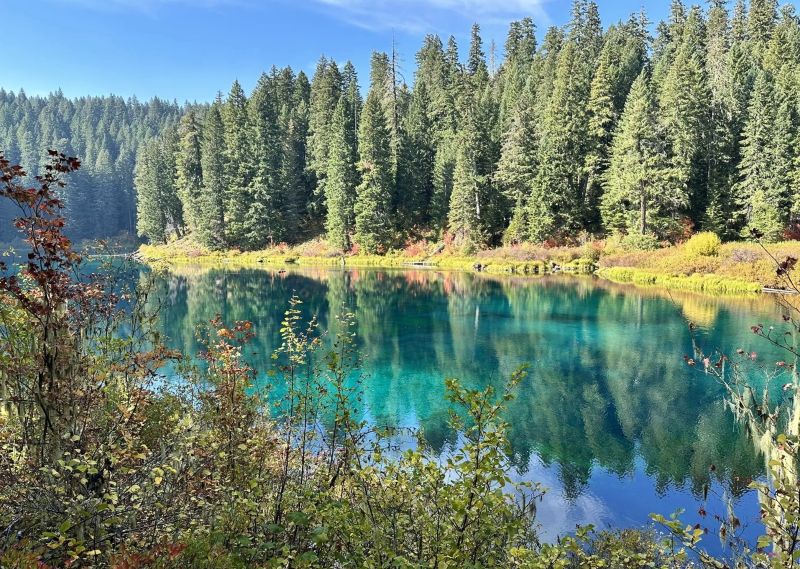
[(476, 61), (761, 22), (759, 190), (159, 207), (520, 49), (238, 166), (444, 163), (326, 89), (559, 192), (105, 204), (721, 143), (211, 223), (433, 75), (373, 205), (516, 170), (189, 170), (265, 223), (640, 196), (415, 180), (342, 177), (468, 200), (684, 101)]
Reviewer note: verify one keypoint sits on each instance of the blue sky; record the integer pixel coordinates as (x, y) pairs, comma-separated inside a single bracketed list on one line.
[(190, 49)]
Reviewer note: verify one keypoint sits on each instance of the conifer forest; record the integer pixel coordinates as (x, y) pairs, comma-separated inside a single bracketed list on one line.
[(650, 129)]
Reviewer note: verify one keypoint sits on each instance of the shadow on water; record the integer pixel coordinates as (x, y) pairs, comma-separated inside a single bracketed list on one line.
[(609, 416)]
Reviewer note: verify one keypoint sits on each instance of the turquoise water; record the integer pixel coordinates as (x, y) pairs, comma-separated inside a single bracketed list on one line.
[(609, 418)]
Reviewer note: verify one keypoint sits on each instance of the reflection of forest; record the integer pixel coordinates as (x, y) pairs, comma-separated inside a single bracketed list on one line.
[(607, 381)]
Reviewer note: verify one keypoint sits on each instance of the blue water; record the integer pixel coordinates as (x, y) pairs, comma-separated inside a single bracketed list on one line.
[(610, 418)]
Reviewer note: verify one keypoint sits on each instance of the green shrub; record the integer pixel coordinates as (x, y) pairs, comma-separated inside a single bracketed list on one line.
[(640, 242), (705, 244)]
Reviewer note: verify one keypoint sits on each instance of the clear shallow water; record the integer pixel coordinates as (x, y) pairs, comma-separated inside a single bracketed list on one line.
[(609, 418)]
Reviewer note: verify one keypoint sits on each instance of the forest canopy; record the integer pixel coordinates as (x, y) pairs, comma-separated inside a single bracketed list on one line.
[(660, 129)]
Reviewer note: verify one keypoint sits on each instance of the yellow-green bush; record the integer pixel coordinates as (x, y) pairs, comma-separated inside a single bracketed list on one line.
[(703, 244), (639, 242)]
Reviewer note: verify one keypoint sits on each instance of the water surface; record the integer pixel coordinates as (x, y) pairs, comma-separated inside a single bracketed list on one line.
[(609, 418)]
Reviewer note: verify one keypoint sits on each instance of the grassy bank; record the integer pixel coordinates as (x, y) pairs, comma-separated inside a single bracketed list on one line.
[(520, 261), (709, 284), (697, 265), (719, 269)]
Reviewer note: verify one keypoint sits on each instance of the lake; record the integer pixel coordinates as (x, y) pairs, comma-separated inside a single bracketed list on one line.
[(610, 418)]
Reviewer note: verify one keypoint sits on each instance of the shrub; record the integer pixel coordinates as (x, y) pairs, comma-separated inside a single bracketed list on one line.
[(418, 248), (704, 244), (639, 242), (741, 255)]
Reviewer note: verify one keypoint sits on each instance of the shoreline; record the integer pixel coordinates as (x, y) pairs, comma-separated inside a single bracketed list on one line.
[(166, 256)]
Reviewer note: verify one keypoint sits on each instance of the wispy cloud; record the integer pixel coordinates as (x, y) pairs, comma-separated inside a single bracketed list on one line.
[(418, 16)]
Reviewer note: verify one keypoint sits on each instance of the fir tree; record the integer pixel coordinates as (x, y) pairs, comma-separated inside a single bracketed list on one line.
[(476, 61), (211, 223), (516, 170), (466, 217), (759, 191), (559, 192), (374, 195), (520, 49), (189, 171), (326, 89), (342, 177), (238, 166), (417, 151), (444, 164), (684, 101), (265, 222), (721, 146), (761, 22), (159, 207), (639, 195)]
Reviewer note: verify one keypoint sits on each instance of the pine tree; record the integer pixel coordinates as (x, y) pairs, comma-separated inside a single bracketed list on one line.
[(374, 195), (265, 223), (432, 75), (352, 94), (759, 191), (444, 163), (296, 182), (326, 89), (384, 86), (761, 22), (342, 177), (151, 218), (721, 146), (211, 224), (684, 101), (417, 152), (559, 192), (602, 120), (520, 49), (238, 166), (476, 61), (105, 206), (668, 39), (466, 216), (189, 175), (639, 195), (516, 170), (159, 207)]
